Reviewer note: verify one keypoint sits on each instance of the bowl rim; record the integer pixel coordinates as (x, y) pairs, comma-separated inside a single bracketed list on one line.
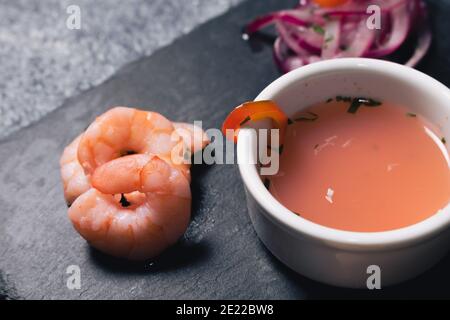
[(299, 226)]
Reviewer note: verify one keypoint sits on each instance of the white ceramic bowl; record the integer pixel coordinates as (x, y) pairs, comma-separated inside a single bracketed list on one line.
[(333, 256)]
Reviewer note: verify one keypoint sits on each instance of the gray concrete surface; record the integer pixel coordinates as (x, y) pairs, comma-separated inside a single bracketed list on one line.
[(42, 62)]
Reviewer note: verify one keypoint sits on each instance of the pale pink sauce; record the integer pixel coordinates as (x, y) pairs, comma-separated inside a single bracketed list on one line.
[(376, 170)]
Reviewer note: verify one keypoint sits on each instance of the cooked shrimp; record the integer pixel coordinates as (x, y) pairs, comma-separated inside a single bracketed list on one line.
[(121, 131), (151, 214), (74, 180), (132, 206)]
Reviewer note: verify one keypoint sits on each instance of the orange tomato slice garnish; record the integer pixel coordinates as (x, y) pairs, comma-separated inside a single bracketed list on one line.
[(254, 111), (330, 3)]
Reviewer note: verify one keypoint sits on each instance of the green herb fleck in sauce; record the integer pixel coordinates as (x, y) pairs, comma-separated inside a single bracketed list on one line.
[(310, 116), (370, 102), (354, 106), (343, 98), (356, 103)]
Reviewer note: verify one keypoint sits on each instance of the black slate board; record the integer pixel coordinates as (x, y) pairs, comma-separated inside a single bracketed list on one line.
[(200, 76)]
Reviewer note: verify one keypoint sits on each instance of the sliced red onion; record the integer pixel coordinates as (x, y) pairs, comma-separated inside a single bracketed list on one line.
[(294, 17), (385, 32), (400, 28), (285, 62), (290, 38), (307, 38), (309, 33), (332, 39), (423, 44), (361, 43)]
